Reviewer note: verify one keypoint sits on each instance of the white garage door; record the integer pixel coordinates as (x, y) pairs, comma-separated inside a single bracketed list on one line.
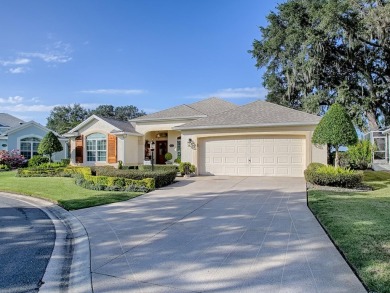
[(252, 156)]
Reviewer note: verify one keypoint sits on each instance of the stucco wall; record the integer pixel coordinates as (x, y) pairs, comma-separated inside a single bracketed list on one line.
[(130, 152)]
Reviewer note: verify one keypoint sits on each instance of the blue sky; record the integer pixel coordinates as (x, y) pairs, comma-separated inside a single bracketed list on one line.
[(153, 54)]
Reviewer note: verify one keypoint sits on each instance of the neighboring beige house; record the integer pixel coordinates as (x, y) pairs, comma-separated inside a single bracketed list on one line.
[(218, 137)]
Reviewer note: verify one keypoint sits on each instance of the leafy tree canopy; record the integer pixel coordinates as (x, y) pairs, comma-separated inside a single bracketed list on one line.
[(320, 52), (64, 118), (49, 144), (123, 113), (335, 129)]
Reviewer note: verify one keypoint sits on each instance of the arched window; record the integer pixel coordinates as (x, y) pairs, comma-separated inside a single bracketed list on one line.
[(29, 146), (96, 147)]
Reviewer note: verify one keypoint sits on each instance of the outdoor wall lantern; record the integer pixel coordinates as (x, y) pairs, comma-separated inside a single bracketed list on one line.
[(191, 143)]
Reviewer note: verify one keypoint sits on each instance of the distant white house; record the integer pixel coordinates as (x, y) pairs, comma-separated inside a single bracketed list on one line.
[(16, 134)]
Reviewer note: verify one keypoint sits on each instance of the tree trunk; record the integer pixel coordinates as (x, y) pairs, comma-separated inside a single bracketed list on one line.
[(337, 158), (372, 123)]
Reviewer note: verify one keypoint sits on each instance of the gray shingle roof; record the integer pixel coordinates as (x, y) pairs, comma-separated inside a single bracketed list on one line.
[(124, 126), (212, 106), (259, 113), (7, 120), (199, 109)]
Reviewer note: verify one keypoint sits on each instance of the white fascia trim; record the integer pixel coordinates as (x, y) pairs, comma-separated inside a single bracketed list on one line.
[(246, 125), (86, 121), (126, 133)]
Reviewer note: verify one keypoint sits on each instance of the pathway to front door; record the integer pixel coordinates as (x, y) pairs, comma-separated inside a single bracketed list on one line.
[(215, 234)]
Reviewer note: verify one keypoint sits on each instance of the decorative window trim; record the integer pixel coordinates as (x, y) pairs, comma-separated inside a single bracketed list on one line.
[(96, 147), (19, 142)]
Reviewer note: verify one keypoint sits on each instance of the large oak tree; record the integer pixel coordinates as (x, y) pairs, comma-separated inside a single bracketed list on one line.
[(319, 52)]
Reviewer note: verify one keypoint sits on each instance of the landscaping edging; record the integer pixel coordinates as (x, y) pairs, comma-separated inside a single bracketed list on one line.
[(334, 244), (69, 267)]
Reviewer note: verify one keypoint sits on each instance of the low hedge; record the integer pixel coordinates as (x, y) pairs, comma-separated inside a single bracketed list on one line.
[(320, 174), (114, 183), (42, 171), (158, 168), (161, 177), (83, 177)]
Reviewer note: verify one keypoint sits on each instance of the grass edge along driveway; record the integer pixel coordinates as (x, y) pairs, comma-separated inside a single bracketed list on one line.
[(359, 224), (60, 190)]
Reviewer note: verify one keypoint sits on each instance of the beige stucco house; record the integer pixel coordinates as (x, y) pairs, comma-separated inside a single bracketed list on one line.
[(218, 137)]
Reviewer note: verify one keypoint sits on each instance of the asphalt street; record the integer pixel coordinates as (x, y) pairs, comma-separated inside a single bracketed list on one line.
[(27, 238)]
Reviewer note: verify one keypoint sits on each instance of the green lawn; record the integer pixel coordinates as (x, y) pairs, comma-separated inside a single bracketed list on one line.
[(359, 223), (62, 191)]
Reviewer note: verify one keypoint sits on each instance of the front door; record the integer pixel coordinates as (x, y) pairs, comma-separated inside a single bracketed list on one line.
[(161, 150)]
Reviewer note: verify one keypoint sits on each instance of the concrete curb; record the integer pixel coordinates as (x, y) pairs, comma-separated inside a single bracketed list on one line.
[(69, 267)]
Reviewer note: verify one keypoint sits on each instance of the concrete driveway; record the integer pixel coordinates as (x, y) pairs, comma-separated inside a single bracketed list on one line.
[(215, 234)]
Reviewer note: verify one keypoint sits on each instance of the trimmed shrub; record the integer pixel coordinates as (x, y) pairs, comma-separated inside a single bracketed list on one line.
[(333, 176), (186, 168), (360, 155), (65, 162), (4, 167), (335, 129), (168, 156), (161, 177), (37, 160)]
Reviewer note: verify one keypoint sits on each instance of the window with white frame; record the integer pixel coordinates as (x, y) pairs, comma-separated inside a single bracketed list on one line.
[(29, 146), (96, 147)]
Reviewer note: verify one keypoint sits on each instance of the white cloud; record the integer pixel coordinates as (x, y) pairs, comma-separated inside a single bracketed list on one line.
[(17, 61), (17, 70), (28, 108), (11, 100), (235, 93), (50, 57), (114, 92), (58, 52)]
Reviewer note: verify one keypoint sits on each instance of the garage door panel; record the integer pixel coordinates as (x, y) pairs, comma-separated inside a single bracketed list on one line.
[(282, 149), (230, 150), (256, 156), (282, 171), (268, 160), (283, 159), (217, 160), (268, 149), (297, 160), (230, 160), (256, 171)]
